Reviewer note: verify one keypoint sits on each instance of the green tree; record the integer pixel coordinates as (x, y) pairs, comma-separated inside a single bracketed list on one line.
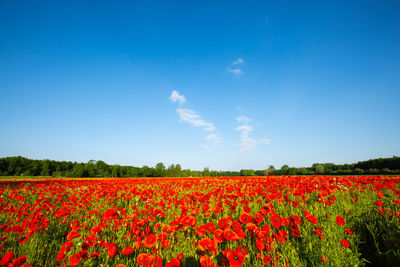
[(160, 170), (319, 168), (269, 169)]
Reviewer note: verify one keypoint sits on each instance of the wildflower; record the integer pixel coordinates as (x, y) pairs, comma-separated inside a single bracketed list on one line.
[(345, 243), (340, 220)]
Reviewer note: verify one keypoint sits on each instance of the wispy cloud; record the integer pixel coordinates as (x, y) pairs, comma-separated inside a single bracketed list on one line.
[(236, 71), (176, 97), (238, 61), (247, 143), (234, 68), (191, 117), (213, 139), (243, 119)]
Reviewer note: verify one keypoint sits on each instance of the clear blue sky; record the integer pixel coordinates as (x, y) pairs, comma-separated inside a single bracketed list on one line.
[(256, 82)]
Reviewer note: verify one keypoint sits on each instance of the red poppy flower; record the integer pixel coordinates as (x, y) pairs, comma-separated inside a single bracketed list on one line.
[(72, 235), (260, 245), (224, 223), (166, 244), (180, 256), (189, 221), (167, 229), (208, 244), (145, 259), (234, 260), (157, 262), (173, 263), (236, 226), (210, 227), (340, 220), (266, 259), (112, 250), (60, 256), (345, 243), (230, 235), (258, 218), (19, 261), (245, 218), (241, 252), (324, 259), (127, 251), (312, 219), (205, 261), (75, 259), (349, 231), (319, 232), (219, 235), (276, 220), (150, 240), (7, 258)]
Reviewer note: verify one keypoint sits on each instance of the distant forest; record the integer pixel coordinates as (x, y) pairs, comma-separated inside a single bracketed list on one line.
[(20, 166)]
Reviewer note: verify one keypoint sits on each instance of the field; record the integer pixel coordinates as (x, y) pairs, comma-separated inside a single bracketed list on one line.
[(230, 221)]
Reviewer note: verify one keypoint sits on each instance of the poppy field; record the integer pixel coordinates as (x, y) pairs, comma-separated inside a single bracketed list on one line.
[(228, 221)]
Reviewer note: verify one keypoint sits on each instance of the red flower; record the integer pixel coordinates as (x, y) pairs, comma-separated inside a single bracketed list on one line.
[(60, 256), (260, 245), (224, 223), (245, 218), (19, 261), (233, 258), (230, 235), (324, 259), (127, 251), (189, 221), (312, 219), (345, 243), (150, 240), (157, 262), (145, 259), (241, 252), (205, 261), (23, 240), (219, 235), (266, 260), (276, 221), (72, 235), (173, 263), (75, 259), (349, 231), (210, 227), (208, 244), (180, 256), (7, 258), (340, 220), (112, 250)]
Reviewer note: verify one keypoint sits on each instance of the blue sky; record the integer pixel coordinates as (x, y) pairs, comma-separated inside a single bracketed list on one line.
[(224, 84)]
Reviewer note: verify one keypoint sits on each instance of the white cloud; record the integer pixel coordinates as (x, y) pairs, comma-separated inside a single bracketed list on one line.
[(238, 61), (176, 97), (243, 119), (236, 71), (244, 130), (247, 143), (191, 117), (213, 138)]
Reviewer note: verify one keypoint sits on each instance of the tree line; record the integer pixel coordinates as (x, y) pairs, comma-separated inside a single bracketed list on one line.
[(21, 166)]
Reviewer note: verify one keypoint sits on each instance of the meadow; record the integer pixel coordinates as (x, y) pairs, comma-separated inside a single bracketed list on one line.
[(225, 221)]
